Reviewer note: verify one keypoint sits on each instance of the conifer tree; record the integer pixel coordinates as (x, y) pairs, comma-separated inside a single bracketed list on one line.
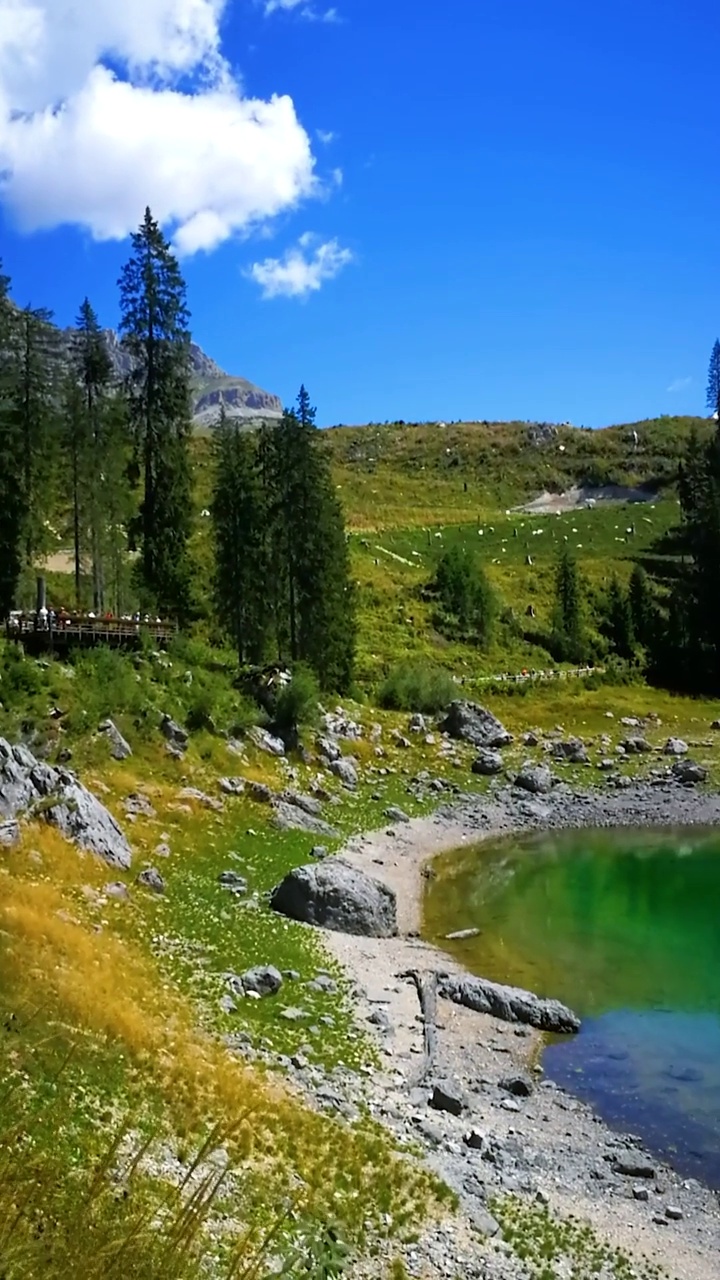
[(11, 508), (568, 635), (308, 559), (34, 421), (465, 594), (642, 607), (154, 329), (619, 620), (239, 519), (94, 371)]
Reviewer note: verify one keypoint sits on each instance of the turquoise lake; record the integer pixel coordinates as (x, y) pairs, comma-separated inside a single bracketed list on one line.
[(624, 926)]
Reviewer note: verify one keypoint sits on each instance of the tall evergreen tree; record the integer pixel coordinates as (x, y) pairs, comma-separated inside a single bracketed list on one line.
[(11, 505), (642, 607), (94, 372), (619, 620), (155, 333), (466, 596), (238, 513), (568, 635), (34, 422), (308, 559)]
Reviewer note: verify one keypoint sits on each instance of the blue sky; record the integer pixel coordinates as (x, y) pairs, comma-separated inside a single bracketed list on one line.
[(422, 211)]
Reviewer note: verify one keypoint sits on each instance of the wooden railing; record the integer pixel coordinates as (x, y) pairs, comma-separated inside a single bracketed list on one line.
[(67, 629)]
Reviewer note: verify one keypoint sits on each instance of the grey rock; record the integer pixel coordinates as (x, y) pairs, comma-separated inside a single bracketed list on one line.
[(530, 739), (475, 1139), (232, 786), (482, 1220), (293, 1014), (510, 1104), (688, 772), (138, 805), (379, 1018), (151, 879), (119, 748), (417, 723), (636, 746), (337, 896), (308, 804), (675, 747), (327, 748), (446, 1096), (56, 796), (201, 798), (536, 778), (472, 723), (573, 750), (345, 769), (674, 1213), (288, 817), (174, 732), (259, 792), (116, 889), (265, 741), (520, 1085), (633, 1167), (511, 1004), (395, 814), (488, 763), (640, 1193), (232, 881), (715, 724), (322, 982), (263, 980), (227, 1004), (319, 851), (9, 833)]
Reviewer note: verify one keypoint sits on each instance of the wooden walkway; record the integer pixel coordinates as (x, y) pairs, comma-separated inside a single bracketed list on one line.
[(74, 631)]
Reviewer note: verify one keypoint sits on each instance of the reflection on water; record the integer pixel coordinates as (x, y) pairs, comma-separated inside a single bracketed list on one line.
[(625, 927)]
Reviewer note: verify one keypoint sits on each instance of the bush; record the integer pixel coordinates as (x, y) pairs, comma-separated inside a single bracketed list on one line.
[(417, 686), (297, 701)]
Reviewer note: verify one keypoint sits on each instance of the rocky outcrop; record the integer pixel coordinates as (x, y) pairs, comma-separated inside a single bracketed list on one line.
[(472, 723), (337, 896), (535, 778), (30, 787), (511, 1004), (119, 748)]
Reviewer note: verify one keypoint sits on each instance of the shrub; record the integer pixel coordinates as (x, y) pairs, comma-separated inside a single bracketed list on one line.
[(417, 686), (297, 701)]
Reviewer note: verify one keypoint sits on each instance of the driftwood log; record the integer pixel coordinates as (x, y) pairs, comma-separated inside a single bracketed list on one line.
[(426, 985), (510, 1004)]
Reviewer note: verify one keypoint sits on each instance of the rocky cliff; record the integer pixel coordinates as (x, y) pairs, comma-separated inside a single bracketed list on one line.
[(212, 386)]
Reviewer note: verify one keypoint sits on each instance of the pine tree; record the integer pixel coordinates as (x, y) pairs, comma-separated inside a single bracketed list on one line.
[(713, 386), (619, 620), (34, 422), (313, 601), (94, 372), (11, 507), (465, 594), (642, 607), (239, 519), (568, 636), (154, 329)]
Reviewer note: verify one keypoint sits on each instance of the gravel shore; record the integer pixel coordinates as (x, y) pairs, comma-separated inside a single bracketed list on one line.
[(547, 1148)]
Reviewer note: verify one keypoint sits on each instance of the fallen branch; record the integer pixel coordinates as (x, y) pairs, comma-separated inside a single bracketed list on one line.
[(426, 985), (510, 1004)]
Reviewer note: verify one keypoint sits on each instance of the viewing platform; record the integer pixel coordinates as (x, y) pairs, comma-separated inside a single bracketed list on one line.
[(58, 633)]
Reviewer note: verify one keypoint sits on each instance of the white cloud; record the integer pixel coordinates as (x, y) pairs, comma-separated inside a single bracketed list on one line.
[(680, 384), (304, 10), (302, 270), (111, 105), (326, 136)]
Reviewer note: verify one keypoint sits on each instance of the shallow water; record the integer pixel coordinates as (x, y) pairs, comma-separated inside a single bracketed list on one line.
[(624, 926)]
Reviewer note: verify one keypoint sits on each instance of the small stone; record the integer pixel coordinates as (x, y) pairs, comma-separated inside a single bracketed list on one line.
[(447, 1097), (641, 1193), (232, 786), (487, 763), (232, 881), (151, 879), (227, 1004), (475, 1138), (627, 1167), (117, 890), (521, 1086), (395, 814), (673, 1213), (291, 1014), (263, 980), (675, 747), (509, 1104), (319, 851)]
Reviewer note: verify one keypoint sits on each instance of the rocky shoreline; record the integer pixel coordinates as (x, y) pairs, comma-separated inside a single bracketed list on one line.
[(484, 1117)]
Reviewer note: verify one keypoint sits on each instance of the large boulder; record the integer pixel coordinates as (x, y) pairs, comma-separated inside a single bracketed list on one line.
[(337, 896), (573, 750), (290, 817), (346, 770), (488, 763), (119, 748), (29, 786), (689, 772), (535, 778), (472, 723)]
